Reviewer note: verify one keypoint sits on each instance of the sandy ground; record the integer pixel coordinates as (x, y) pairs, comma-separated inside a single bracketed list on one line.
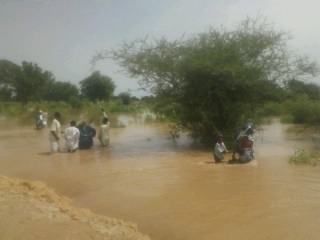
[(30, 210)]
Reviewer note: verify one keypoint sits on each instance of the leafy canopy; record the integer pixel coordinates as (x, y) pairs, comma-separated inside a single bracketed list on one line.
[(97, 87), (29, 82), (214, 80)]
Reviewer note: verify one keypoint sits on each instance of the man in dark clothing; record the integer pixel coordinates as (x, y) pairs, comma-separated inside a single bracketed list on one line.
[(87, 133)]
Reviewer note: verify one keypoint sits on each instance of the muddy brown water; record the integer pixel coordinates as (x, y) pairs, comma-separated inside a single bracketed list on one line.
[(171, 190)]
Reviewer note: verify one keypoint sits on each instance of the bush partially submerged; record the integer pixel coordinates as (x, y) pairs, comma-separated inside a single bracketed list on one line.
[(301, 156)]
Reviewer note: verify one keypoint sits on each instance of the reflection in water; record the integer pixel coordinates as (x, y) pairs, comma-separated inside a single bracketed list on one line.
[(172, 190)]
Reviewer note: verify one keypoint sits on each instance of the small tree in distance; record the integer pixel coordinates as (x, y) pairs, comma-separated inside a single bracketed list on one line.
[(97, 87), (125, 98), (61, 91)]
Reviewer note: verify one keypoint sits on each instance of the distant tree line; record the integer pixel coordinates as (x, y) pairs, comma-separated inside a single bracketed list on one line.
[(29, 82)]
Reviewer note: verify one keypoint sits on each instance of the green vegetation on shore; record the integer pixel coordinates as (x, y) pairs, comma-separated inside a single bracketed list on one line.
[(87, 110), (304, 157)]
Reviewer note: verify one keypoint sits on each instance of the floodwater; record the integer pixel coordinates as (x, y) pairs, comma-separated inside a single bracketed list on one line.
[(172, 190)]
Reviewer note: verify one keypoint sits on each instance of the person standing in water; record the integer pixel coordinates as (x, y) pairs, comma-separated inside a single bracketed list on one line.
[(219, 149), (103, 135), (72, 135), (104, 114), (87, 133), (44, 118), (246, 145), (55, 133), (39, 120)]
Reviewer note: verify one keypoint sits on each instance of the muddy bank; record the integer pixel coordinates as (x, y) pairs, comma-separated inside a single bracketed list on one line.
[(30, 210)]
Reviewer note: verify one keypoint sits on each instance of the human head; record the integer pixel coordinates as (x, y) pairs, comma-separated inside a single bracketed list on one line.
[(105, 120), (82, 123), (73, 123), (245, 126), (249, 130), (219, 137), (57, 115)]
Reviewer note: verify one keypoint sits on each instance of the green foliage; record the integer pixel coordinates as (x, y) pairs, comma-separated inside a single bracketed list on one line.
[(295, 88), (76, 109), (301, 156), (97, 87), (304, 110), (61, 91), (216, 79), (75, 102), (8, 73), (166, 108), (117, 106), (271, 109), (286, 119), (125, 98), (31, 83)]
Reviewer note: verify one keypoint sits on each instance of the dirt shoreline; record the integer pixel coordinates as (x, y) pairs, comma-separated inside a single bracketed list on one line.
[(30, 210)]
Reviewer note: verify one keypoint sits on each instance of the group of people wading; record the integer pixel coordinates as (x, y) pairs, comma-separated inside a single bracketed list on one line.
[(78, 136), (243, 147), (81, 137)]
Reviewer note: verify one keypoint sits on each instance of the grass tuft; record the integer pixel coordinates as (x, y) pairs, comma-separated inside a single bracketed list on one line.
[(303, 157)]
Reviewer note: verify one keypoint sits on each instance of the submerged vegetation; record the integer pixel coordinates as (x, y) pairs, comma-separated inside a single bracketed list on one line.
[(303, 157)]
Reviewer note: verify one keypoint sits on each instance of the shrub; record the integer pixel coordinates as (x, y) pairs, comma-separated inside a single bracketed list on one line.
[(301, 156)]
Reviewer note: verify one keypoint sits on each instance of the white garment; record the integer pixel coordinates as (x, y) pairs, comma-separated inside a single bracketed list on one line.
[(246, 156), (244, 133), (55, 146), (104, 134), (219, 150), (56, 128), (72, 135), (104, 115), (44, 118)]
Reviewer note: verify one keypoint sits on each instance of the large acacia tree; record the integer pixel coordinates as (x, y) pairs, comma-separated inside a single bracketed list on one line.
[(214, 80)]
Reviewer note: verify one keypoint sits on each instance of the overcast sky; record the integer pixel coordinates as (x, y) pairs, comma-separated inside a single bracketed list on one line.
[(62, 36)]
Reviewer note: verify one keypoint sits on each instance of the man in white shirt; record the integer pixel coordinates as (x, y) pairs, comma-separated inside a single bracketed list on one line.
[(72, 135), (104, 132), (219, 149), (55, 133)]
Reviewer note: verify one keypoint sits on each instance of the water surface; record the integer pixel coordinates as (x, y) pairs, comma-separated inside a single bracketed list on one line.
[(172, 190)]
